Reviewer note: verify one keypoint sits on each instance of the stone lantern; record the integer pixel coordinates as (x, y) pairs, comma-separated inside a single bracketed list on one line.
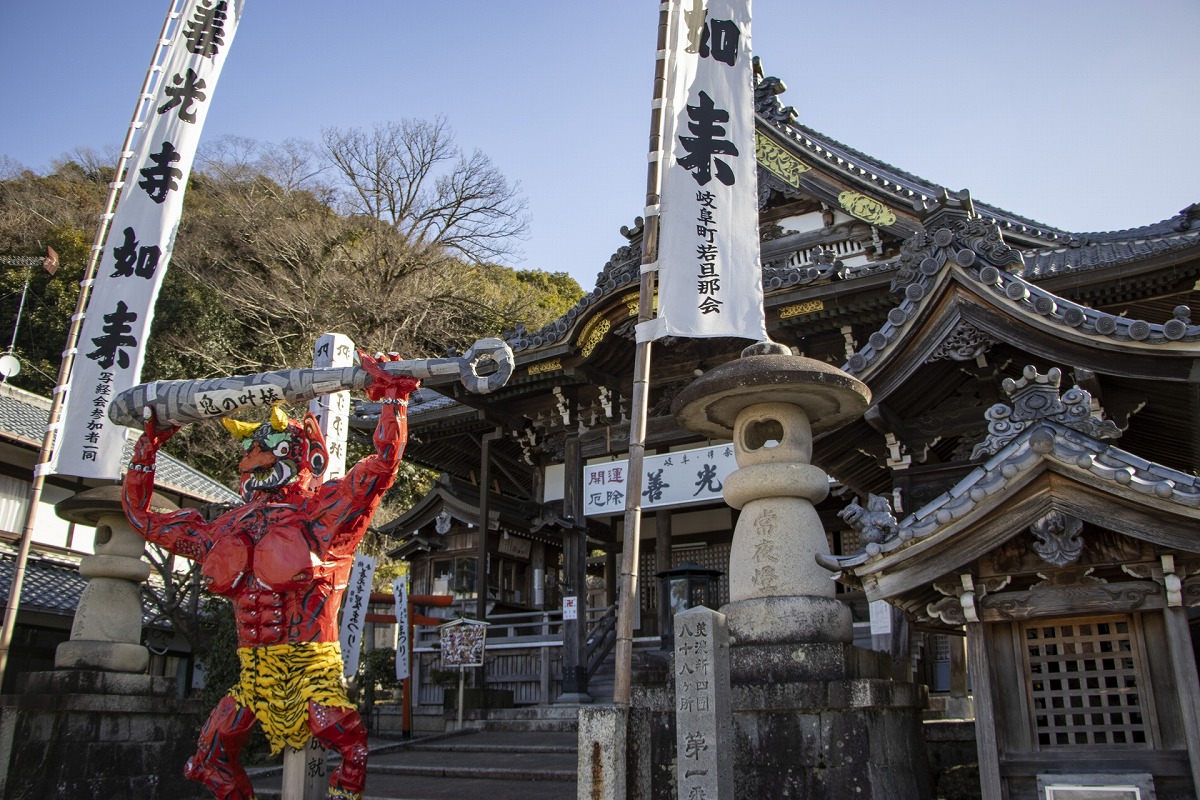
[(107, 631), (98, 725), (772, 403)]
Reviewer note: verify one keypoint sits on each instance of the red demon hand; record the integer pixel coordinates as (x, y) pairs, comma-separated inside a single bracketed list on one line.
[(385, 385), (152, 439)]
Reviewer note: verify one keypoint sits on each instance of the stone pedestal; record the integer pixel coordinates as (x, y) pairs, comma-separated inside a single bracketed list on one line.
[(87, 735)]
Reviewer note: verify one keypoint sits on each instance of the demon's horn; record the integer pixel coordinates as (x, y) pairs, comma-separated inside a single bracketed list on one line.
[(239, 429)]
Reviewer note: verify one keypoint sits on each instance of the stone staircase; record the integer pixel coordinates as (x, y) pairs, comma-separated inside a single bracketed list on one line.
[(527, 719), (524, 753), (518, 758)]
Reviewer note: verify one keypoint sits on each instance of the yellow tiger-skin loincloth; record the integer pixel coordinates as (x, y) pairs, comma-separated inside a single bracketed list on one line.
[(278, 681)]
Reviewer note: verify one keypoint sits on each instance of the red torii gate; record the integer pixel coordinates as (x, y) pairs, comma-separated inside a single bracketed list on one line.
[(414, 618)]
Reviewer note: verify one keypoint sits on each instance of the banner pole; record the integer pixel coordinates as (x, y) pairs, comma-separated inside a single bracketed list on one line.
[(61, 386), (629, 594)]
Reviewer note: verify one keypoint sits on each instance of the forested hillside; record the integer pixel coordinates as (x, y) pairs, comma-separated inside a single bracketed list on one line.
[(390, 236)]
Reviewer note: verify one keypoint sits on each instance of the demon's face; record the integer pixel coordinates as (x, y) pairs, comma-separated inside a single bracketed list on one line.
[(279, 453)]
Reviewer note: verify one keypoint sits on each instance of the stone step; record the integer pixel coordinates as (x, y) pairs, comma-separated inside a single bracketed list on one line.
[(530, 725), (499, 764)]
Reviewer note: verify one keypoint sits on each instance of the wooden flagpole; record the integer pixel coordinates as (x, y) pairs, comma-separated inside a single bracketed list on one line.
[(145, 100), (629, 592)]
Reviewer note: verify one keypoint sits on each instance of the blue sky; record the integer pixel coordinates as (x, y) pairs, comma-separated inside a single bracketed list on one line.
[(1082, 115)]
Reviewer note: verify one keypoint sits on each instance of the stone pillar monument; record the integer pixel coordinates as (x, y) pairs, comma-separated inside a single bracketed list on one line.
[(813, 716)]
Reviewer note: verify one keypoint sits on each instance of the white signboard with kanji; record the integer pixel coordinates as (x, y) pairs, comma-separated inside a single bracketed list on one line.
[(686, 477)]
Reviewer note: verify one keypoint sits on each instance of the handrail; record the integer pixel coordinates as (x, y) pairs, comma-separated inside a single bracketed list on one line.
[(601, 639), (532, 628)]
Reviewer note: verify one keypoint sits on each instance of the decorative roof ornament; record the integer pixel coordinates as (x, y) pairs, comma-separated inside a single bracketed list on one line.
[(1188, 217), (1057, 538), (970, 242), (1035, 398), (766, 97), (875, 523), (965, 343)]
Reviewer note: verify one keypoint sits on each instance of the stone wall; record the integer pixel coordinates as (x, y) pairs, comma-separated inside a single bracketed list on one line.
[(89, 735)]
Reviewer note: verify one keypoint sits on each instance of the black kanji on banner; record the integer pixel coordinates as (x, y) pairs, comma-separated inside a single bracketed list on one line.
[(117, 330), (205, 32), (720, 40), (188, 89), (134, 260), (706, 144), (162, 177)]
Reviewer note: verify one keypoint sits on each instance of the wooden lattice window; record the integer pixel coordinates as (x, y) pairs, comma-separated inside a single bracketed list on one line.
[(1085, 682)]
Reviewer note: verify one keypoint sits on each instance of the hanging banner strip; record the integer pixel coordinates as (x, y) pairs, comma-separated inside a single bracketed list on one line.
[(140, 241), (403, 646), (354, 612), (710, 280)]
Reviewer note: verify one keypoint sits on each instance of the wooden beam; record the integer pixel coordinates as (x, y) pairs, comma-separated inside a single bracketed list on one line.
[(1107, 598)]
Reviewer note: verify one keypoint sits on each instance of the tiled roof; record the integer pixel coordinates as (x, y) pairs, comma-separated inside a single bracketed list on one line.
[(23, 417), (1092, 251), (51, 585)]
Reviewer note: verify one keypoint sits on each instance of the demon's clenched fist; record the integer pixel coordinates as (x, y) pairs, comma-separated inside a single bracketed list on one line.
[(283, 558)]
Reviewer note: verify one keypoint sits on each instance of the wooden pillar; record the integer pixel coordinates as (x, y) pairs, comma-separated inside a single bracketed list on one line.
[(574, 667), (986, 743), (1183, 663), (662, 561), (485, 478), (958, 665)]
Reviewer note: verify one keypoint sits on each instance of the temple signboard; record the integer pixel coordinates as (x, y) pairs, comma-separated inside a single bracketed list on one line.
[(682, 478)]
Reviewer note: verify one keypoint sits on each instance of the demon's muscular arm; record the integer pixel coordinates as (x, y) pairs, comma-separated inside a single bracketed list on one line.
[(183, 532), (347, 506)]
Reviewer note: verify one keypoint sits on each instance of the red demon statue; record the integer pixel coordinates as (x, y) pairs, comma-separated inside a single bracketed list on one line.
[(284, 559)]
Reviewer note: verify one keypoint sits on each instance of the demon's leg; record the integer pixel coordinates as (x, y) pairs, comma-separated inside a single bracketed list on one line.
[(342, 729), (216, 762)]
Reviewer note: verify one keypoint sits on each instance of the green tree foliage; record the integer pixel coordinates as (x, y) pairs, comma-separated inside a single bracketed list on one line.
[(60, 211), (388, 236)]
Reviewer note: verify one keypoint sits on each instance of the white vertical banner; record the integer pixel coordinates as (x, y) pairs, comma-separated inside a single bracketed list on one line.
[(333, 410), (709, 275), (354, 611), (140, 240), (400, 593)]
